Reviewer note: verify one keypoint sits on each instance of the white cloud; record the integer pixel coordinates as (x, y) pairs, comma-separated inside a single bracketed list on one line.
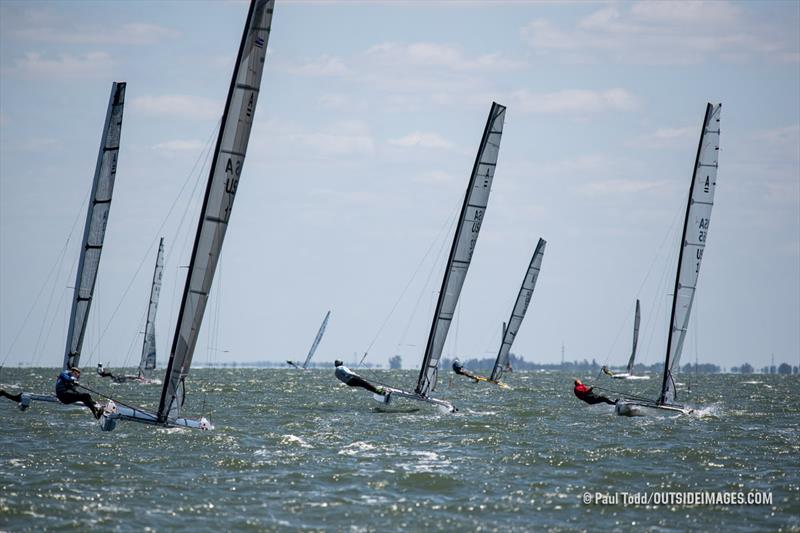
[(620, 186), (657, 32), (341, 138), (135, 33), (575, 101), (34, 65), (422, 139), (180, 145), (179, 105), (324, 66), (666, 138), (439, 56)]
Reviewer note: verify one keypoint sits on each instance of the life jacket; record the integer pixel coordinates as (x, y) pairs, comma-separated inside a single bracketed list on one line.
[(581, 391)]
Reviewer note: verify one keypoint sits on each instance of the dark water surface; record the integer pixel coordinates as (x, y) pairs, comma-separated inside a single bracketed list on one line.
[(296, 450)]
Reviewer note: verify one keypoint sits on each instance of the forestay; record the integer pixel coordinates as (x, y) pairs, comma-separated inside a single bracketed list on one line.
[(519, 310), (317, 340), (95, 229), (636, 319), (148, 361), (226, 169), (693, 242), (469, 225)]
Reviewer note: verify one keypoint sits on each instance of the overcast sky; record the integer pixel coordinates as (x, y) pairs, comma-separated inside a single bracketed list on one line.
[(366, 130)]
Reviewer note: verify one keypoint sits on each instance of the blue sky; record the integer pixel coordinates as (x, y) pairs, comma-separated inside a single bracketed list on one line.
[(365, 133)]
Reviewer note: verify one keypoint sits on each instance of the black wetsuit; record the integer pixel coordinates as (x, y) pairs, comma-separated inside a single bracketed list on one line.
[(13, 397), (66, 393), (458, 368), (587, 395), (351, 379)]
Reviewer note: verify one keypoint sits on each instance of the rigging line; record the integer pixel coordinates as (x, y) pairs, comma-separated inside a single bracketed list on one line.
[(129, 406), (656, 256), (625, 394), (397, 302), (142, 261), (444, 231)]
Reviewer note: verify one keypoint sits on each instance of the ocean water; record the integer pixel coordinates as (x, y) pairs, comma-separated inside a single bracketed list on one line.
[(297, 450)]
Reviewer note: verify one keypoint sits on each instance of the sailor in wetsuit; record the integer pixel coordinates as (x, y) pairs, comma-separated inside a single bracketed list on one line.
[(351, 379), (13, 397), (459, 369), (586, 394), (66, 393)]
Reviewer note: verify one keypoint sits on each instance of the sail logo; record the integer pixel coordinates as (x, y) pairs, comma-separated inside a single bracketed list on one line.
[(260, 42), (706, 185)]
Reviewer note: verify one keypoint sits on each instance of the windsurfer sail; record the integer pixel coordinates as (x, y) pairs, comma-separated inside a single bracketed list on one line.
[(690, 255), (223, 181)]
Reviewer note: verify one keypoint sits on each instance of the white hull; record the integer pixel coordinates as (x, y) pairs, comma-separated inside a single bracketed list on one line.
[(27, 398), (626, 408), (113, 412), (399, 393), (629, 376)]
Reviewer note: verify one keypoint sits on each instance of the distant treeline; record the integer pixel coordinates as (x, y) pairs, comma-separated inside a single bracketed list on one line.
[(519, 363)]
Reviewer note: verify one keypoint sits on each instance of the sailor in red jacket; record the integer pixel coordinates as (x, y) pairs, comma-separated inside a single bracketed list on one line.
[(586, 394)]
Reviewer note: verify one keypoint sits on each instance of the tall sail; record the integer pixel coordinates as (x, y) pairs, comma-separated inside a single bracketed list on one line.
[(469, 225), (317, 339), (693, 242), (95, 229), (637, 318), (519, 310), (226, 169), (148, 361)]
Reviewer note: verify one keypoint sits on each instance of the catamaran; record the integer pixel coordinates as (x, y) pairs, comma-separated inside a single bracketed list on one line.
[(690, 255), (223, 180), (518, 313), (147, 363), (93, 237), (628, 374), (314, 345), (466, 235)]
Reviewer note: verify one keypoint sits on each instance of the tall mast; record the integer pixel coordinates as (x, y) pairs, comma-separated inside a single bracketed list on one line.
[(317, 339), (94, 231), (223, 180), (693, 242), (518, 311), (472, 211), (148, 361)]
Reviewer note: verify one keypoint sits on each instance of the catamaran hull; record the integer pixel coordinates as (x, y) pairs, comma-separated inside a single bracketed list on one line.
[(641, 409), (113, 413), (387, 399), (629, 376), (27, 398)]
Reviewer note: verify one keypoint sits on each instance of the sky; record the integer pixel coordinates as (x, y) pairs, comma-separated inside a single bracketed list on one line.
[(366, 130)]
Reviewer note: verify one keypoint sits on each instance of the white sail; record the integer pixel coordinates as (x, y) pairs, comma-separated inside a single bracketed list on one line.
[(636, 319), (693, 242), (317, 340), (226, 169), (148, 361), (469, 226), (95, 229), (519, 310)]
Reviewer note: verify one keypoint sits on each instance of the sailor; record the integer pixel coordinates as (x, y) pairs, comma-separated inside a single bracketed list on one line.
[(351, 379), (102, 371), (586, 394), (66, 393), (459, 369), (606, 371)]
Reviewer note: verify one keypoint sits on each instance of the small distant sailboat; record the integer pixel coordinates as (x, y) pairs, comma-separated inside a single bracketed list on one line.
[(518, 313), (147, 364), (690, 255), (628, 374), (466, 235), (93, 237), (223, 181), (314, 345)]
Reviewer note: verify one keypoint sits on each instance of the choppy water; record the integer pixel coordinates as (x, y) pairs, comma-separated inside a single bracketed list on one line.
[(296, 450)]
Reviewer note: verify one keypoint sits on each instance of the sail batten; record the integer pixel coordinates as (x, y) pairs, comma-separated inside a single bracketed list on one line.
[(518, 311), (95, 227), (317, 339), (223, 181), (693, 239), (464, 240)]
